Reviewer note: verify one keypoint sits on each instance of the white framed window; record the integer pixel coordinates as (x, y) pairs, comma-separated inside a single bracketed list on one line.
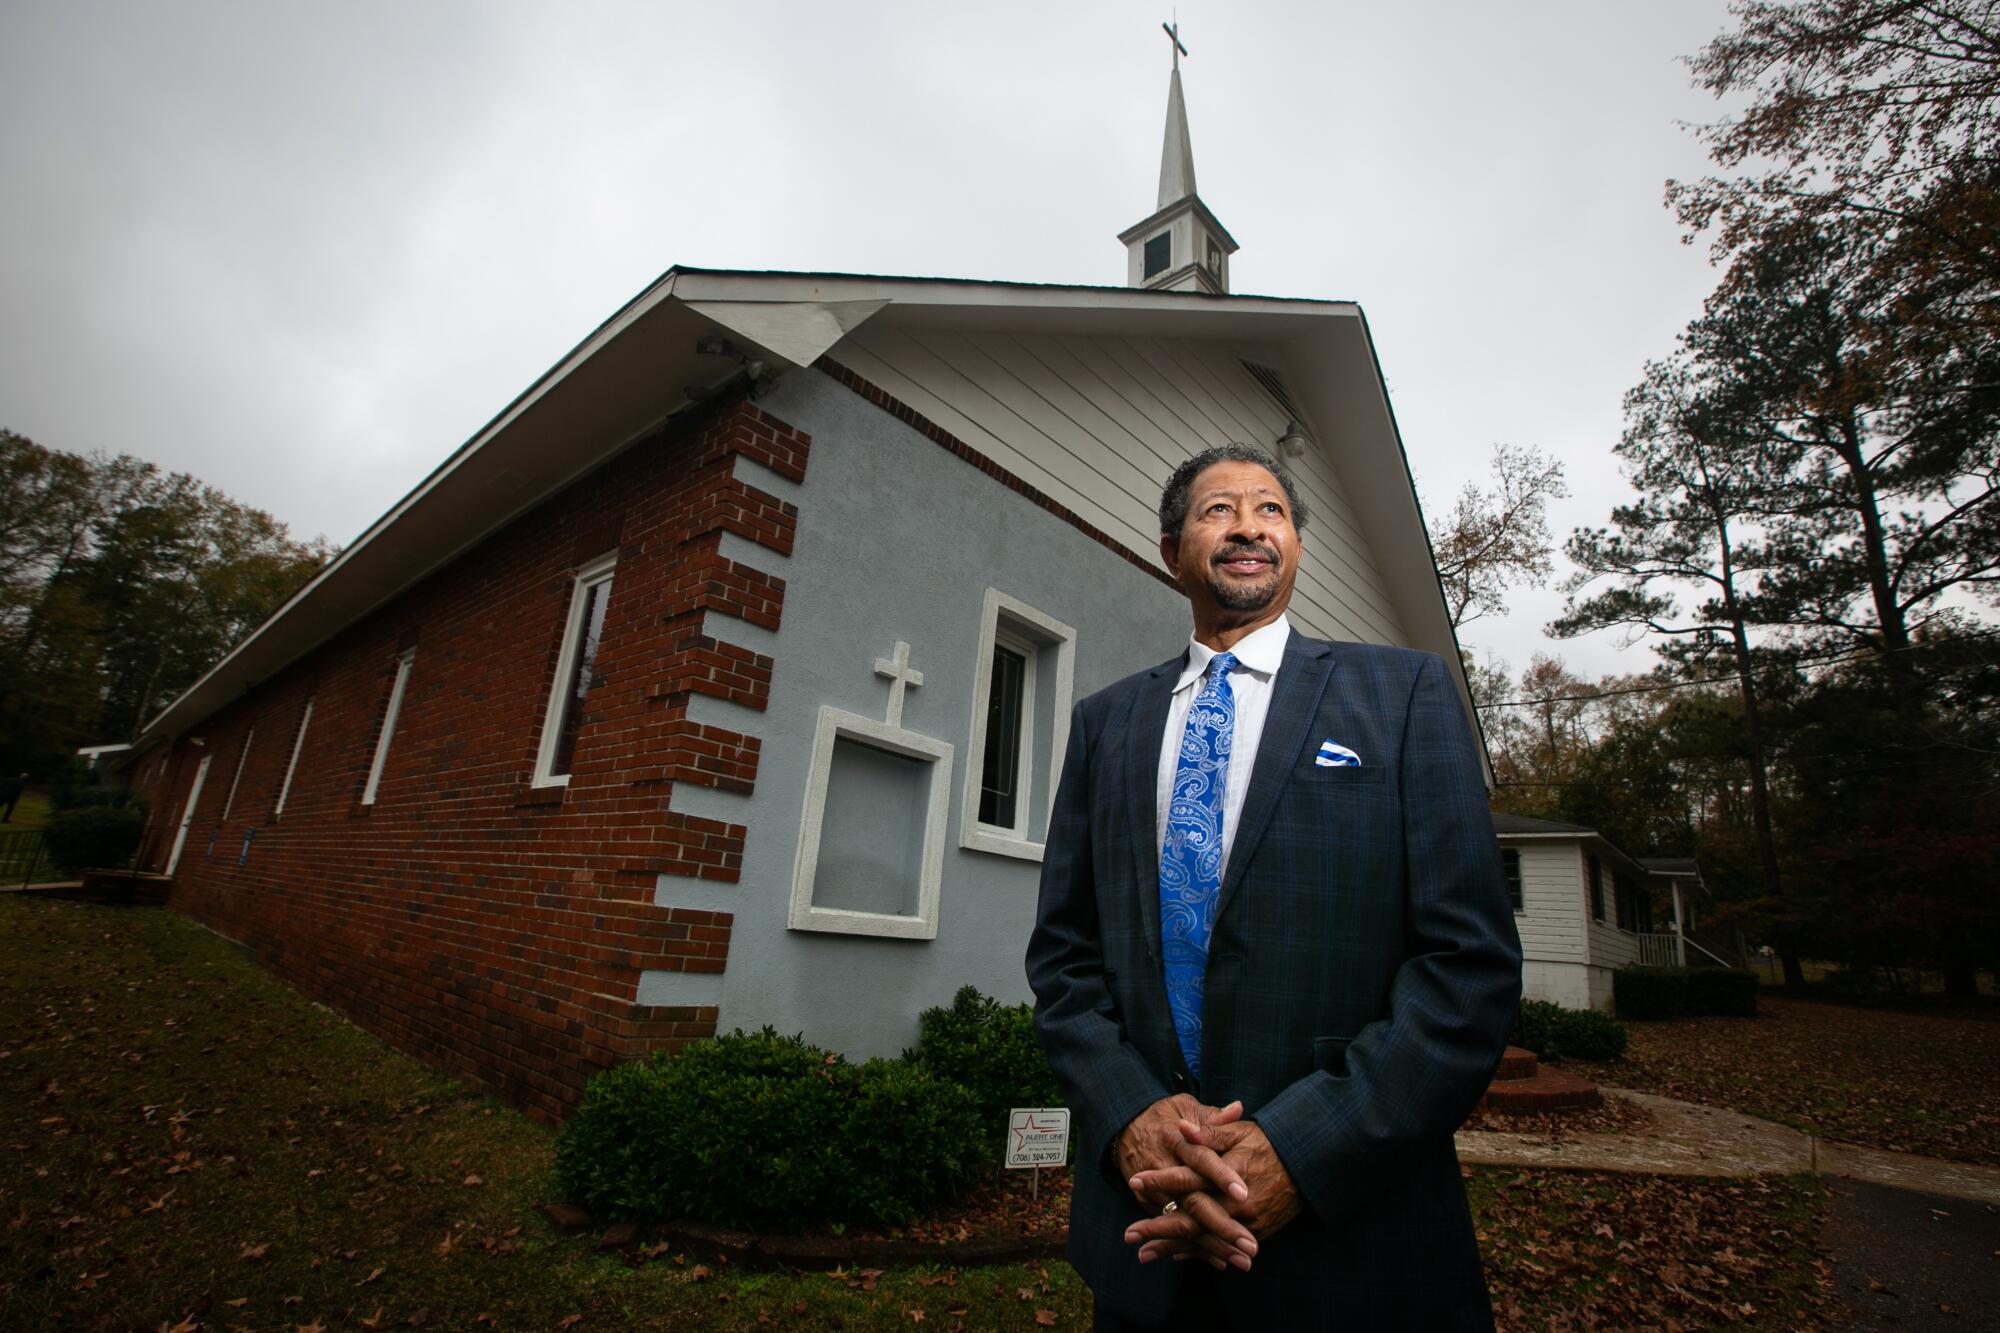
[(229, 802), (389, 717), (871, 844), (291, 767), (576, 671), (1020, 725)]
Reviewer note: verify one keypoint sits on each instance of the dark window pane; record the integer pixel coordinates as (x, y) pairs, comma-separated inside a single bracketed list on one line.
[(1159, 253), (1000, 776), (1596, 889), (1510, 870), (583, 674)]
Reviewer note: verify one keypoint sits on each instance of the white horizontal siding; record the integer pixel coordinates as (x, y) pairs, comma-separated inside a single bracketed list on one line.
[(1097, 424), (1552, 902), (1610, 946)]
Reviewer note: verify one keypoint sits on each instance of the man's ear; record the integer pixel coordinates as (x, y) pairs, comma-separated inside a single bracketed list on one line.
[(1170, 554)]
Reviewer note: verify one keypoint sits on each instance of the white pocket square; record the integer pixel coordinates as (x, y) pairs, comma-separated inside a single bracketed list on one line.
[(1336, 756)]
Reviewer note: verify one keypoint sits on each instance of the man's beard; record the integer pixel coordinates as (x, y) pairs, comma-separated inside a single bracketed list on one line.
[(1233, 595)]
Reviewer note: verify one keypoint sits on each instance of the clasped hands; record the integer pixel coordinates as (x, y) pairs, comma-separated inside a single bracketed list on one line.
[(1225, 1182)]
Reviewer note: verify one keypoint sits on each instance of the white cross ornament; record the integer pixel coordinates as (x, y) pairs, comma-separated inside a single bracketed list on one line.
[(897, 669)]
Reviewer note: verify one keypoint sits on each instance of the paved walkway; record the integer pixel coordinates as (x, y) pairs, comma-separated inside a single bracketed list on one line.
[(1912, 1261), (1690, 1140)]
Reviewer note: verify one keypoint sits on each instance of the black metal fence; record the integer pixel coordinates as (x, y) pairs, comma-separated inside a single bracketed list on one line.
[(24, 856)]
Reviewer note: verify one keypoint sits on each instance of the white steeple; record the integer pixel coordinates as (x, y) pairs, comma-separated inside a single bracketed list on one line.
[(1180, 247), (1177, 153)]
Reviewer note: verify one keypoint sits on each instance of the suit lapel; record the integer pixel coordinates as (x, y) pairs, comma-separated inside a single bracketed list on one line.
[(1295, 697), (1146, 725)]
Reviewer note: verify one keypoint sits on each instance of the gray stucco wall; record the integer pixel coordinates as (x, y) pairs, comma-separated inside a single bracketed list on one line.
[(897, 540)]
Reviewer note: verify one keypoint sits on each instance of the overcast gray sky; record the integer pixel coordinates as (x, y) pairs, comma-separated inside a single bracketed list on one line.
[(304, 250)]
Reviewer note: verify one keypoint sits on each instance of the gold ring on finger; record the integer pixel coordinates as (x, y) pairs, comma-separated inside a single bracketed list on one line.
[(1172, 1206)]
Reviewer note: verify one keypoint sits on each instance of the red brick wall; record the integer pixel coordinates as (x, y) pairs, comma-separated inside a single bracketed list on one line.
[(490, 928)]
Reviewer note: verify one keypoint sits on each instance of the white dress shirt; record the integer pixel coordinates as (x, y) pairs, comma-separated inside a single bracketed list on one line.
[(1258, 655)]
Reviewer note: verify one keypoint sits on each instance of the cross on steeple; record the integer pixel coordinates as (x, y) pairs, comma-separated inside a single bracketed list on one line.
[(1173, 31), (897, 669)]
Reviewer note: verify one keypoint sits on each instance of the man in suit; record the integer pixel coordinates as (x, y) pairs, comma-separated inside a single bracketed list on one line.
[(1274, 962)]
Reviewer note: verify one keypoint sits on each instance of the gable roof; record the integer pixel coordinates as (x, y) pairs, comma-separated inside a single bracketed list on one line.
[(1523, 824), (646, 363)]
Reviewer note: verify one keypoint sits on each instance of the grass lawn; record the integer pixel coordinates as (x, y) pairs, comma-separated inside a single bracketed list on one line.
[(1915, 1081), (191, 1145), (31, 811)]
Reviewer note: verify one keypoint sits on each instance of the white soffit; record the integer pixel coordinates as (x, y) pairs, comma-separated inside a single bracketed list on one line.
[(798, 331)]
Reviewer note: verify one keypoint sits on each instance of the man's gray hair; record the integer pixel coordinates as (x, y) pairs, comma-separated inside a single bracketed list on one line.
[(1174, 499)]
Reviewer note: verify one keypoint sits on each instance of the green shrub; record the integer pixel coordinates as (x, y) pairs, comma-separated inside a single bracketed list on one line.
[(94, 837), (1725, 991), (1650, 992), (1585, 1034), (912, 1139), (990, 1049), (1534, 1027), (1554, 1033), (760, 1131)]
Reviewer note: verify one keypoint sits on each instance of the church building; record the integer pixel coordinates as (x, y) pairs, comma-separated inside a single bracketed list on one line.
[(724, 678)]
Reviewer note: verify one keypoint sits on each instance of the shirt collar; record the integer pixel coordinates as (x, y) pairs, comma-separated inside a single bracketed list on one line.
[(1261, 651)]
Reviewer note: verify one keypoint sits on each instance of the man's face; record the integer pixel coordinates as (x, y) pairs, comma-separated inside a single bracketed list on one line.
[(1237, 553)]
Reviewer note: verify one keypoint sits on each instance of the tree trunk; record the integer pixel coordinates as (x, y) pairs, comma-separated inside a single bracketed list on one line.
[(1788, 954), (1753, 739), (1874, 540), (1961, 979)]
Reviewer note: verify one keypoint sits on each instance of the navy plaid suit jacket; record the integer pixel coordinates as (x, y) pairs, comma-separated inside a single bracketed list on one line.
[(1362, 978)]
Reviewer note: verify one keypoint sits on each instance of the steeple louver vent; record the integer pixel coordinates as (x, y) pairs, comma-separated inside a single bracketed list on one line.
[(1271, 382)]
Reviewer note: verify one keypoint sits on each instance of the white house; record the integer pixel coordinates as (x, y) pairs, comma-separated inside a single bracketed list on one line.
[(1585, 909)]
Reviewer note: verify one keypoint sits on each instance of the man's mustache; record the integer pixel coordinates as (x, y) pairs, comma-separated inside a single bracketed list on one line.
[(1237, 550)]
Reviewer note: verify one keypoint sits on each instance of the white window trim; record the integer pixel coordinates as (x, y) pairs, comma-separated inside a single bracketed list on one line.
[(229, 802), (597, 571), (833, 723), (285, 788), (188, 812), (389, 716), (1038, 780)]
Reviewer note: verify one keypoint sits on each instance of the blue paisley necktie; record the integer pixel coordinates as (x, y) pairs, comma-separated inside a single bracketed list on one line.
[(1191, 859)]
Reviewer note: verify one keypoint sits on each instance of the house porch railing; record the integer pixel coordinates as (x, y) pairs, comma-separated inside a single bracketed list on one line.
[(1659, 948)]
